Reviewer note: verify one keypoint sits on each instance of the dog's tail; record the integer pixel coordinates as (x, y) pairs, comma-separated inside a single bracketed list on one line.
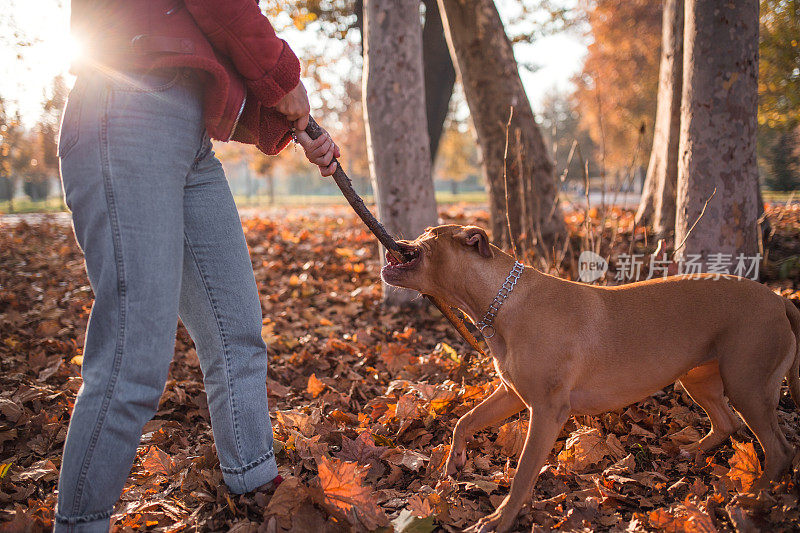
[(793, 377)]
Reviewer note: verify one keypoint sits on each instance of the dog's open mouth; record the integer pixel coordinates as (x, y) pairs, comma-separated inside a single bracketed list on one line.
[(411, 257)]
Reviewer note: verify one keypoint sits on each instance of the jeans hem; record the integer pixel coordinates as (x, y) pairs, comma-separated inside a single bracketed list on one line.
[(250, 477), (88, 523)]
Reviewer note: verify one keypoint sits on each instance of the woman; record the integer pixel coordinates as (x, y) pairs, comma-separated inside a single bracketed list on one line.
[(160, 233)]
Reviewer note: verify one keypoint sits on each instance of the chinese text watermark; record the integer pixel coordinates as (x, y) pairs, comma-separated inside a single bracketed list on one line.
[(633, 267)]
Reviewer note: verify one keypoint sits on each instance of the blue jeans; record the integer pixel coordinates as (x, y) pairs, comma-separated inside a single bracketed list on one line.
[(162, 239)]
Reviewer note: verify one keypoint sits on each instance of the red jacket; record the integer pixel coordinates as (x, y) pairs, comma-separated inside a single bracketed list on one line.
[(248, 68)]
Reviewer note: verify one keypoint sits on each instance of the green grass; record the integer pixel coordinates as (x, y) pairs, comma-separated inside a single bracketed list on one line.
[(780, 196), (294, 200), (55, 205), (26, 205), (471, 197), (442, 198)]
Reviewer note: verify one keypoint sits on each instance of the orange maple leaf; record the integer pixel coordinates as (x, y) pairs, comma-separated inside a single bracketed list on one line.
[(343, 487), (396, 356), (745, 467), (315, 386), (157, 461), (511, 437), (697, 520), (406, 411)]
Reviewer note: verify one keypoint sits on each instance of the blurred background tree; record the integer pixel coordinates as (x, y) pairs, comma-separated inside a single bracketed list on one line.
[(561, 125), (458, 156), (7, 126), (779, 94), (610, 97), (617, 87)]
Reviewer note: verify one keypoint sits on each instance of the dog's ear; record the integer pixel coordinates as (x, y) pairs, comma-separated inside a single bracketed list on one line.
[(475, 236)]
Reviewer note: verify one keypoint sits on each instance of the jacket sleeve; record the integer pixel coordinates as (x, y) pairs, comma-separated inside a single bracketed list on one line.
[(269, 130), (237, 29)]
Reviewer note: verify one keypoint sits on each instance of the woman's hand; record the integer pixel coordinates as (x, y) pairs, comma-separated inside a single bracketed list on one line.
[(295, 106), (319, 151)]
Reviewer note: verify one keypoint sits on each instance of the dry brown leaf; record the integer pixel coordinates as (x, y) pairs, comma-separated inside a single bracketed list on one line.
[(687, 435), (343, 486), (156, 461), (288, 497), (408, 458), (40, 470), (315, 386), (420, 506), (745, 467), (585, 447), (406, 411), (697, 520), (511, 437)]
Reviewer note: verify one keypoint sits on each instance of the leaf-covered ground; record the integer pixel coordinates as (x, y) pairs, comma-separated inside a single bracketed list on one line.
[(363, 403)]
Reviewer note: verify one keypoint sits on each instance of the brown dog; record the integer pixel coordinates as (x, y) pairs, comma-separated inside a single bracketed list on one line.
[(564, 348)]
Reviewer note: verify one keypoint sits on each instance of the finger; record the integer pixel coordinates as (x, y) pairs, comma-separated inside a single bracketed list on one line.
[(327, 158), (328, 170), (303, 138), (320, 156), (301, 122), (292, 113), (336, 152), (313, 148), (323, 149)]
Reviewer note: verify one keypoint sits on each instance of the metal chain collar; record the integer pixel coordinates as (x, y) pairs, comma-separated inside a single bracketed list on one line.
[(505, 290)]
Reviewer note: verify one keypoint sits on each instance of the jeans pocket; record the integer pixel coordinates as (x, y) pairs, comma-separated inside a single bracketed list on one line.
[(152, 81), (69, 131)]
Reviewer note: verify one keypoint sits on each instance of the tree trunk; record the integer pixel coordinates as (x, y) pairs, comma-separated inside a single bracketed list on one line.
[(718, 130), (657, 205), (271, 188), (489, 74), (440, 75), (12, 190), (394, 113)]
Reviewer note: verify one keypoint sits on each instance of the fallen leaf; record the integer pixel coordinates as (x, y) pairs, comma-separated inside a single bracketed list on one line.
[(745, 467), (511, 437), (585, 447), (687, 435), (315, 386), (407, 522), (40, 470), (157, 461), (343, 486), (288, 497), (408, 458)]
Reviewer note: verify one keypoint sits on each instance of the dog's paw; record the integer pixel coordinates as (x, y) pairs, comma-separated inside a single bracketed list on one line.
[(496, 522), (688, 450), (456, 459)]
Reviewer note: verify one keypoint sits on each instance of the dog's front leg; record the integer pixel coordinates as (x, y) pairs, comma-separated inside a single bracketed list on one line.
[(547, 421), (501, 404)]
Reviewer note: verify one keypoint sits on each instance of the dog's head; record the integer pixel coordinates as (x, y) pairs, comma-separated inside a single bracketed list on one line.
[(437, 258)]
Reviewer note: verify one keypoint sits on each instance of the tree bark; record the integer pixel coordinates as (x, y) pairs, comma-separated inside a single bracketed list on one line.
[(657, 205), (718, 130), (485, 61), (440, 75), (394, 113)]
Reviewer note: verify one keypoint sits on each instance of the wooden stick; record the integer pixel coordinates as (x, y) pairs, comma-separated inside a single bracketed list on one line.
[(346, 186), (457, 323)]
